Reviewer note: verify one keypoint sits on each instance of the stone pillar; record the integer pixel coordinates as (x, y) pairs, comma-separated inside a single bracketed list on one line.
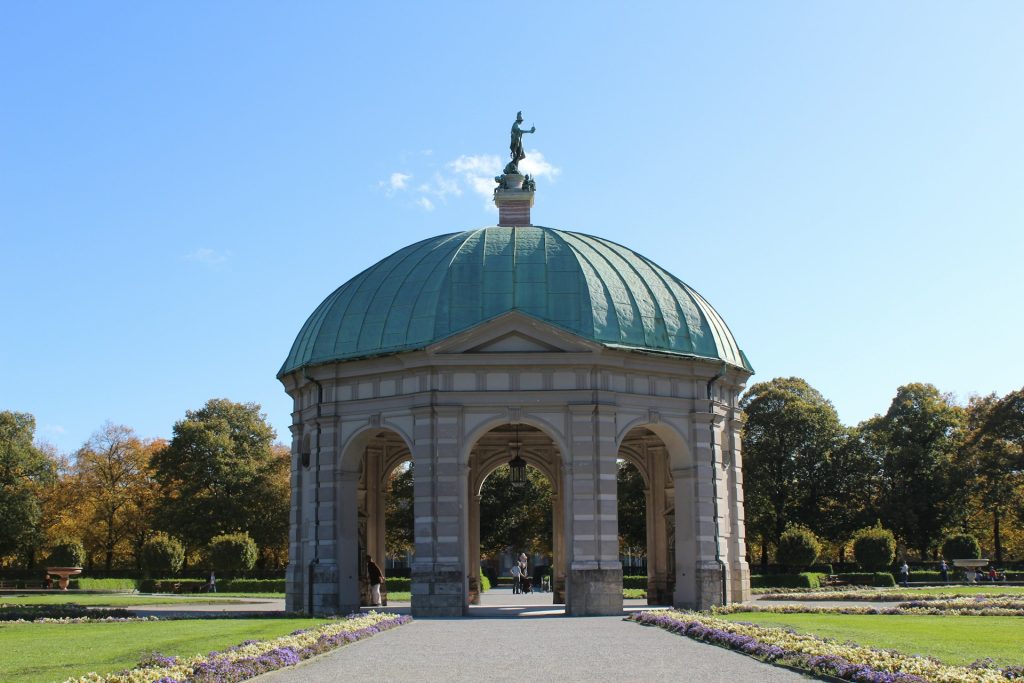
[(595, 572), (558, 549), (474, 548), (739, 570), (699, 520), (375, 505), (295, 583), (322, 571), (440, 489), (657, 535), (513, 201)]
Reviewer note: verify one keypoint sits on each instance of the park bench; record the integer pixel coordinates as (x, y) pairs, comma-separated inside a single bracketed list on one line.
[(833, 580)]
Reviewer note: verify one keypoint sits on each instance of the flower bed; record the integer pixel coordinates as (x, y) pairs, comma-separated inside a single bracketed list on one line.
[(987, 607), (252, 657), (66, 613), (822, 657), (877, 596)]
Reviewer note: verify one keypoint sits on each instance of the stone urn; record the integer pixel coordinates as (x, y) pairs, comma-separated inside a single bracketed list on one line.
[(63, 574), (972, 565)]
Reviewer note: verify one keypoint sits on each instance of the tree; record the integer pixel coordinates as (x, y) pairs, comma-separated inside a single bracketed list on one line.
[(632, 503), (66, 552), (874, 548), (993, 457), (111, 473), (24, 469), (798, 547), (220, 474), (162, 553), (233, 552), (398, 512), (516, 518), (961, 547), (790, 433), (915, 443)]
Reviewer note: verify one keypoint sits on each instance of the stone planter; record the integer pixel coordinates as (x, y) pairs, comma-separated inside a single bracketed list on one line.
[(63, 574)]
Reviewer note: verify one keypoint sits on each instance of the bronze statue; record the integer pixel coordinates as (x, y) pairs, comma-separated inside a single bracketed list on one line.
[(516, 145)]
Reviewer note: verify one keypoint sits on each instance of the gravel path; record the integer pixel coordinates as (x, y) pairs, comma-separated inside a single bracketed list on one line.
[(595, 649)]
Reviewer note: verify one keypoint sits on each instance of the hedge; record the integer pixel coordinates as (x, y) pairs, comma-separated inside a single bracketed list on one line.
[(802, 580), (877, 579), (87, 584), (399, 584), (638, 582), (224, 586)]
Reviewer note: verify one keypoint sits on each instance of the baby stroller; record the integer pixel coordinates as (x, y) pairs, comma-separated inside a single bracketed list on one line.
[(526, 584)]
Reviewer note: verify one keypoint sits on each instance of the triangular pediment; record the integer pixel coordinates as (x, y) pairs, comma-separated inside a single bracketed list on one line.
[(513, 332)]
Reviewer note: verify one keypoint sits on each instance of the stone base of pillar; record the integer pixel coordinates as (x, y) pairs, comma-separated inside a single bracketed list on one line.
[(658, 591), (558, 591), (474, 590), (437, 590), (324, 579), (594, 592), (709, 585), (739, 573), (294, 588)]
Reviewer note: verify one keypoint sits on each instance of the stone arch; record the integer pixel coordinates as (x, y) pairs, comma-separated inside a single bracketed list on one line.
[(483, 459), (474, 435), (359, 505)]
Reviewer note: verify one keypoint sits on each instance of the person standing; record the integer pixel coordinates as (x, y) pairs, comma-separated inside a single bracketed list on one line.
[(905, 574), (944, 571), (376, 579), (517, 576), (211, 587), (523, 573)]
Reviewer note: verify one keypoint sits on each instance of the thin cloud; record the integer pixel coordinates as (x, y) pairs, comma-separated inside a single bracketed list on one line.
[(425, 204), (207, 256), (537, 166)]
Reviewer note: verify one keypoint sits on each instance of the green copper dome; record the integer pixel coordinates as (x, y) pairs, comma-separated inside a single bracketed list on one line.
[(589, 286)]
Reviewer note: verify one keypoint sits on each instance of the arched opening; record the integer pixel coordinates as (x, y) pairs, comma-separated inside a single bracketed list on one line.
[(646, 509), (372, 463), (399, 531), (507, 519)]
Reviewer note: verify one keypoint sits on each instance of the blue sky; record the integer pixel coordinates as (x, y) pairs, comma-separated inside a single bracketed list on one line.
[(181, 185)]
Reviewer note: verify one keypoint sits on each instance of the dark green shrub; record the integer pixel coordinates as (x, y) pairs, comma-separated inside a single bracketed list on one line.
[(821, 568), (876, 579), (874, 548), (798, 547), (87, 584), (803, 580), (66, 552), (233, 552), (398, 584), (637, 582), (961, 547), (162, 553)]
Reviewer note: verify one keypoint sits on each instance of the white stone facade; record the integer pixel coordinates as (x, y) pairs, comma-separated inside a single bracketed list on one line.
[(578, 405)]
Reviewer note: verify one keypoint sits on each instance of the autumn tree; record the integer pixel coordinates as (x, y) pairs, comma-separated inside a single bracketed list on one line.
[(111, 475), (24, 470), (789, 435), (915, 443), (220, 474), (993, 458)]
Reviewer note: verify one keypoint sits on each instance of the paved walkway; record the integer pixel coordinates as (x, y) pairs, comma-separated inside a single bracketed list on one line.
[(534, 641)]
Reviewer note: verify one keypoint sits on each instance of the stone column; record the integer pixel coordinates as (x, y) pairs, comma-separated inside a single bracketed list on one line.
[(595, 572), (558, 549), (439, 586), (375, 505), (322, 571), (739, 570), (705, 522), (295, 583), (474, 548), (657, 536)]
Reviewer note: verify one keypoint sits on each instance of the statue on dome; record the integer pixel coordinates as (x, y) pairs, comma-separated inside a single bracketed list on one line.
[(516, 145)]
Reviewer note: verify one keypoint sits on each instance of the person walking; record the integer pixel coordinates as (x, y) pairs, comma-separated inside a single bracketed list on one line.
[(517, 576), (524, 575), (905, 574), (376, 579), (944, 571)]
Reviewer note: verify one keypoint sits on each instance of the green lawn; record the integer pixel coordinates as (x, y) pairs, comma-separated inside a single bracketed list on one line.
[(44, 653), (990, 589), (119, 599), (950, 639)]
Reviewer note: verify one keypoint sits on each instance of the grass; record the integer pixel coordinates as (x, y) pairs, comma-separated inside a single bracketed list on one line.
[(970, 590), (42, 653), (119, 599), (950, 639)]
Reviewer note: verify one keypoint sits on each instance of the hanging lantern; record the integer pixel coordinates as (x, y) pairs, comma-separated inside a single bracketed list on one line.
[(517, 465)]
